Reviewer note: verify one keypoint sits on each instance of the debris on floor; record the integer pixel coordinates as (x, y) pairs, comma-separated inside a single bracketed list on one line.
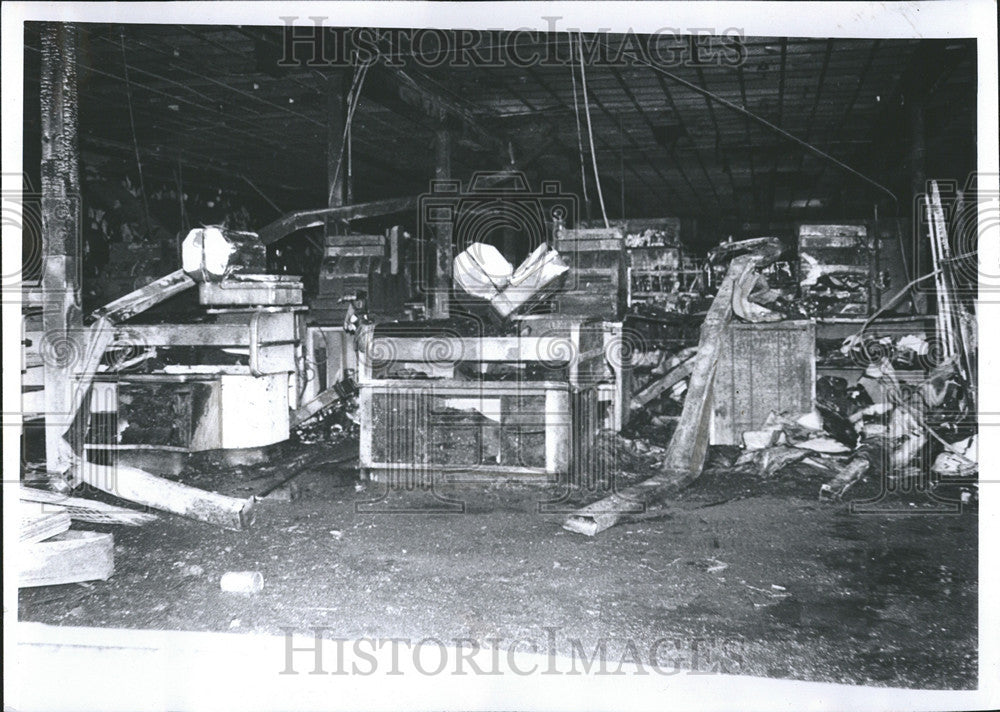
[(877, 427)]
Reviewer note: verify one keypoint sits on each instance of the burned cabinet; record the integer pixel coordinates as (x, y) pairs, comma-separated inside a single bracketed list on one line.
[(837, 270), (660, 271), (597, 283), (349, 262), (762, 367), (155, 420)]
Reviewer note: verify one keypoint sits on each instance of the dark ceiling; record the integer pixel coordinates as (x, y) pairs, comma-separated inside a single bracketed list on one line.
[(217, 101)]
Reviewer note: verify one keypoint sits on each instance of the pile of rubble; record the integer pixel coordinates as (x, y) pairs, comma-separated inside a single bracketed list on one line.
[(913, 435)]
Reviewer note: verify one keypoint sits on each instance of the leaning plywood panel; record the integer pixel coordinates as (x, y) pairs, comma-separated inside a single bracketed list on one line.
[(70, 557)]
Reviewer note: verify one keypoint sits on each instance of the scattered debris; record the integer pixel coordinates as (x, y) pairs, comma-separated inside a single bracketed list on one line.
[(709, 565), (190, 570), (688, 447), (768, 461), (852, 472), (242, 582)]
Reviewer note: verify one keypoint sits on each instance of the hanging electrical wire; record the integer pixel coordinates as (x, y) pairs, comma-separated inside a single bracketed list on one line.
[(579, 130), (590, 129), (353, 98), (135, 140)]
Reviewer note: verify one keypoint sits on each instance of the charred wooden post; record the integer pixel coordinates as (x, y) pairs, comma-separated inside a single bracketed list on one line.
[(439, 308), (61, 238)]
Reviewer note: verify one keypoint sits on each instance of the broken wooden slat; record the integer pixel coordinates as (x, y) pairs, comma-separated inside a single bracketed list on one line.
[(87, 510), (957, 314), (145, 297), (101, 335), (307, 410), (654, 389), (142, 487), (40, 522), (99, 338), (70, 557), (689, 445)]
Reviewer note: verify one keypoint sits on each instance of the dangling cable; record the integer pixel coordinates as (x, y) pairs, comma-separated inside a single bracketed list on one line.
[(135, 141), (353, 98), (579, 130), (590, 130)]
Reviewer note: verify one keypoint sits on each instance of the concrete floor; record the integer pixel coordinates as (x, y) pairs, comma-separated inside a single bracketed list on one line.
[(771, 583)]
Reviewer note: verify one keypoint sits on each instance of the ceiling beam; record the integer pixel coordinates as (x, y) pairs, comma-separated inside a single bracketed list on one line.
[(828, 51), (683, 128), (593, 95), (835, 127), (719, 150), (608, 146), (649, 124), (773, 182), (754, 188)]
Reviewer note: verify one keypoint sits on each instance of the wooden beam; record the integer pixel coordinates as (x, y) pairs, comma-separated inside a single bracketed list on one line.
[(87, 510), (142, 487), (658, 386), (443, 249), (62, 256), (287, 224), (41, 521), (71, 557), (144, 298)]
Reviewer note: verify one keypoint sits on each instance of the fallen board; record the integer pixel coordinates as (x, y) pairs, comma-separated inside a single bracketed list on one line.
[(143, 298), (142, 487), (87, 510), (307, 410), (654, 389), (41, 521), (689, 445), (70, 557)]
